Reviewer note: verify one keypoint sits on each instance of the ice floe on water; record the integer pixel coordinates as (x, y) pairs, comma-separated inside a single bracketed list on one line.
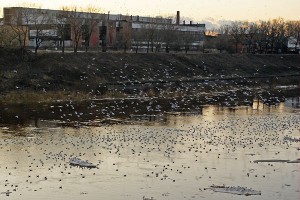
[(81, 163), (7, 193), (271, 160), (238, 190), (278, 161), (294, 161)]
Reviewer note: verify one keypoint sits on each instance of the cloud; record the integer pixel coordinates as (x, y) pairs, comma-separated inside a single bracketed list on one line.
[(213, 24), (210, 23)]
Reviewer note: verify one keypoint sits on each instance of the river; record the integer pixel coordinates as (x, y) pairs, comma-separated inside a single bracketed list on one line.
[(170, 154)]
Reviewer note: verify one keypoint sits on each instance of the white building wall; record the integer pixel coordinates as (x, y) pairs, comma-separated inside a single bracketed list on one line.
[(291, 43), (184, 28)]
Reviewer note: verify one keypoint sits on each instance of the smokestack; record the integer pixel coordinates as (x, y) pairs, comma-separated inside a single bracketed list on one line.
[(178, 18)]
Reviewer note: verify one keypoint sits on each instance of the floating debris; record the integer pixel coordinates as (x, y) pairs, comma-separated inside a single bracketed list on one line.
[(146, 198), (112, 121), (81, 163), (7, 193), (148, 117), (294, 161), (272, 160), (235, 190)]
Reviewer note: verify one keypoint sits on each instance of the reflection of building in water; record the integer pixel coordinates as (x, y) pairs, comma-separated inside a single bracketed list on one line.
[(257, 105), (293, 102)]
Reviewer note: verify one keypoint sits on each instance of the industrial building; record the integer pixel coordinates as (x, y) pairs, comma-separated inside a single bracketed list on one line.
[(54, 28)]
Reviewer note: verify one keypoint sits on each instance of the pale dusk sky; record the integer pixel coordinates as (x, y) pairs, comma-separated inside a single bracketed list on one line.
[(197, 10)]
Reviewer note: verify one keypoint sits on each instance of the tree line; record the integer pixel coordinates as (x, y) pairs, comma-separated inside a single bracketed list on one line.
[(270, 36)]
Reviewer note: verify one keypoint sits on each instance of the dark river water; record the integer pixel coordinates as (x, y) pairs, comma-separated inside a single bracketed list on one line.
[(151, 148)]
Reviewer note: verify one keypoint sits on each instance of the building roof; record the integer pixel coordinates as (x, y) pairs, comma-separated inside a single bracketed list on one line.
[(118, 17)]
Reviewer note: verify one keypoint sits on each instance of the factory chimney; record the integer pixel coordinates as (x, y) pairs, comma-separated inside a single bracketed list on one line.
[(178, 18)]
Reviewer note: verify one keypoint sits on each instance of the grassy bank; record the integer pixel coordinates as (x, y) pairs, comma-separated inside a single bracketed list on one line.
[(80, 76)]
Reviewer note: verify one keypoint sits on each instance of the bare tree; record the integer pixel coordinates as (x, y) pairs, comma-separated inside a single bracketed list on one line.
[(39, 23), (90, 24), (76, 20), (124, 36), (158, 39), (61, 22), (19, 24), (150, 32), (276, 34), (293, 31), (2, 36), (223, 40), (187, 39), (138, 38), (28, 22), (211, 39), (250, 32), (169, 35), (262, 36), (281, 35), (237, 32), (8, 38), (20, 29)]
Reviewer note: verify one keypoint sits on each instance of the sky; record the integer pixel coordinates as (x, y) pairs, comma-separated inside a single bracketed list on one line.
[(196, 10)]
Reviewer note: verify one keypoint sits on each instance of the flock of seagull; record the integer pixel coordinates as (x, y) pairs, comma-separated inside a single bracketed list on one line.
[(35, 155)]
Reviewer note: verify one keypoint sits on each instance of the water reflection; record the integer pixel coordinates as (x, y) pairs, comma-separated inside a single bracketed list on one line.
[(99, 112), (293, 102)]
